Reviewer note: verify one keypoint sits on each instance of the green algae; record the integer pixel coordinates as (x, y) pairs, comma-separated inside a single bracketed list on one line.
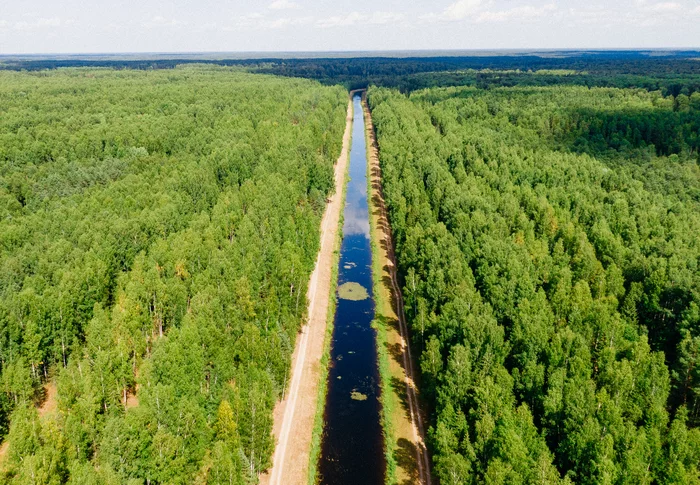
[(352, 291)]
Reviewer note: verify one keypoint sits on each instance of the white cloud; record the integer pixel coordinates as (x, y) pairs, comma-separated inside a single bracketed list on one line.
[(354, 18), (52, 22), (659, 13), (289, 21), (250, 20), (341, 20), (592, 15), (526, 12), (159, 21), (283, 5), (41, 23), (663, 7), (478, 11), (261, 21), (381, 18), (644, 13), (461, 9)]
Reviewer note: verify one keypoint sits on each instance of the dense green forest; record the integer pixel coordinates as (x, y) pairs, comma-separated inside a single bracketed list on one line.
[(157, 232), (547, 239), (159, 222)]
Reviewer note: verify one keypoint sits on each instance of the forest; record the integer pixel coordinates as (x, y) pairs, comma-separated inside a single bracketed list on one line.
[(672, 72), (159, 220), (157, 232), (547, 240)]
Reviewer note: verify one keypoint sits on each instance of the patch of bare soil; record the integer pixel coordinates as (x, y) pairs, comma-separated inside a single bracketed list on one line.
[(294, 415), (49, 403), (408, 447), (132, 399), (3, 452)]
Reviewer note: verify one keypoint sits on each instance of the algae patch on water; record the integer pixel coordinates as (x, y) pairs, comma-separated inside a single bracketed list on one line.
[(352, 291), (358, 396)]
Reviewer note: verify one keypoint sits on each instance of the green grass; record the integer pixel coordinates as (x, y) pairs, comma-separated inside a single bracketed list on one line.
[(387, 398), (325, 359)]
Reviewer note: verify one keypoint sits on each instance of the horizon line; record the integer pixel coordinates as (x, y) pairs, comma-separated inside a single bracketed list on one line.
[(248, 53)]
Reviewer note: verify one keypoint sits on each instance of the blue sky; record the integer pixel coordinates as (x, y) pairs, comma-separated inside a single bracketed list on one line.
[(63, 26)]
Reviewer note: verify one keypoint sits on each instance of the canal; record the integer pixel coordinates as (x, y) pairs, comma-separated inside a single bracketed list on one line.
[(352, 446)]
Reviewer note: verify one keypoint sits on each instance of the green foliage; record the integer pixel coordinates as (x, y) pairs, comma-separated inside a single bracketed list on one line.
[(38, 451), (549, 253), (157, 232)]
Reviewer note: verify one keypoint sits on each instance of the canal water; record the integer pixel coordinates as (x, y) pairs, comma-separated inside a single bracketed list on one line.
[(352, 446)]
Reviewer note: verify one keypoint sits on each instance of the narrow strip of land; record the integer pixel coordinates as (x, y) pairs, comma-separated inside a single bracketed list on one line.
[(3, 451), (408, 440), (294, 415)]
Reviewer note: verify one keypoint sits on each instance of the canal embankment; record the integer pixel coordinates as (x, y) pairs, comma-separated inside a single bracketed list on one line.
[(406, 453)]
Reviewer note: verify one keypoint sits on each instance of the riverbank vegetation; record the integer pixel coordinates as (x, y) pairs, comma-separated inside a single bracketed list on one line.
[(157, 233), (383, 323), (547, 238)]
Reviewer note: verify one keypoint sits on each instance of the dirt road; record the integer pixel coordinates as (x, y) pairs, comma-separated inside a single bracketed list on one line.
[(408, 446), (294, 415)]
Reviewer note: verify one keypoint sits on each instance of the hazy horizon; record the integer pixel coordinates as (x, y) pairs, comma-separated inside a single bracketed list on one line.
[(261, 54)]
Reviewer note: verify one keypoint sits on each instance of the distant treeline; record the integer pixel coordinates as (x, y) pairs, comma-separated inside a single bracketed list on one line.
[(669, 84), (409, 74), (672, 73)]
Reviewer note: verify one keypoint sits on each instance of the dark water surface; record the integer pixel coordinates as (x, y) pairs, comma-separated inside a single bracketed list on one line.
[(352, 447)]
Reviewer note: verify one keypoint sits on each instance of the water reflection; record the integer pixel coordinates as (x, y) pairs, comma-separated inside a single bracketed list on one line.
[(352, 448), (356, 221)]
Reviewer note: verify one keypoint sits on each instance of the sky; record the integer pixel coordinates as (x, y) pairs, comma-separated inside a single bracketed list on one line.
[(101, 26)]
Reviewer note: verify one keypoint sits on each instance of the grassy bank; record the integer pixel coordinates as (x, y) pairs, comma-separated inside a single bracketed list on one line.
[(325, 360), (383, 316)]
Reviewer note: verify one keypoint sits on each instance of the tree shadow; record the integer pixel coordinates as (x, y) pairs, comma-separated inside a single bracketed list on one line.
[(405, 456), (399, 387), (41, 395), (396, 352)]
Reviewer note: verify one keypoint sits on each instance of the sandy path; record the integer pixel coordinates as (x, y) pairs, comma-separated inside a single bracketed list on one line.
[(3, 451), (294, 415), (408, 448)]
